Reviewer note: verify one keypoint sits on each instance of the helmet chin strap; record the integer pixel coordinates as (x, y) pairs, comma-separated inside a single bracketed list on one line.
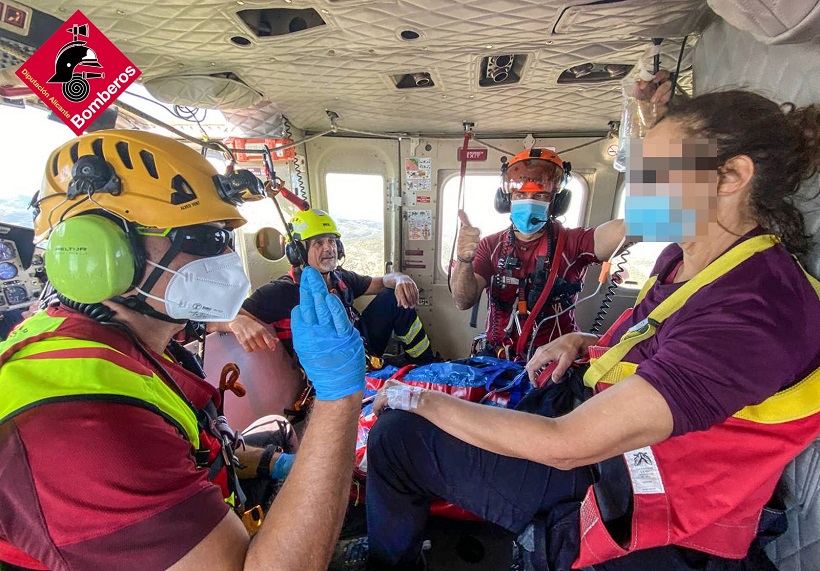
[(138, 302)]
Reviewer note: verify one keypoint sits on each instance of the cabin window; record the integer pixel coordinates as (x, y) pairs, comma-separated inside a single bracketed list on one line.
[(479, 194), (35, 137), (641, 258), (574, 216), (356, 203)]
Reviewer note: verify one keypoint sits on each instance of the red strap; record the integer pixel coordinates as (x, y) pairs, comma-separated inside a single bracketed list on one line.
[(10, 554), (460, 201), (399, 375), (283, 330), (606, 338), (545, 293)]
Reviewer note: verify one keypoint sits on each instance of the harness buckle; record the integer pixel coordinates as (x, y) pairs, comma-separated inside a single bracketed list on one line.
[(252, 519)]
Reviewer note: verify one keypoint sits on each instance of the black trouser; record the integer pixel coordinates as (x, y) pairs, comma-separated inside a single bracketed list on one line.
[(411, 461), (384, 316)]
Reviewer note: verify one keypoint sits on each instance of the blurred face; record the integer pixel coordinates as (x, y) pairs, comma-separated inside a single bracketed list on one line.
[(322, 253), (671, 186)]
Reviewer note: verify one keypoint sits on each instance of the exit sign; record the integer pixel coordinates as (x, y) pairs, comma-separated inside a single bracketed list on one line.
[(473, 154)]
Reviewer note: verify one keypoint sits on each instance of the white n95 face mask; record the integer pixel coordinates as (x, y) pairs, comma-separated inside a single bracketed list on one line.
[(208, 289)]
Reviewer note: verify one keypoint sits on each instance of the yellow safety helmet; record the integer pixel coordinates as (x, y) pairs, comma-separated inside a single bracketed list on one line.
[(311, 223), (305, 225), (141, 177)]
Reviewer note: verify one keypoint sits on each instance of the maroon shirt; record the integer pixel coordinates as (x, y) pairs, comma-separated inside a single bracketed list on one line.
[(97, 485), (579, 252), (736, 342)]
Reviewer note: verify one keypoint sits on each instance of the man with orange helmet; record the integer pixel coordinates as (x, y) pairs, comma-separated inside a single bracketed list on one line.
[(145, 471), (514, 265)]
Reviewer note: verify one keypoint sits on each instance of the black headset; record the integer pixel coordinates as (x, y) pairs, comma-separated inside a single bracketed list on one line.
[(296, 253), (560, 199)]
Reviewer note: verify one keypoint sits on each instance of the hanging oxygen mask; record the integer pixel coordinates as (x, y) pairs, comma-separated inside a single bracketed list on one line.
[(638, 112)]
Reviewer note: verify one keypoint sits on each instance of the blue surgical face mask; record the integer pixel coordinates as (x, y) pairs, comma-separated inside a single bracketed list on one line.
[(659, 219), (528, 216)]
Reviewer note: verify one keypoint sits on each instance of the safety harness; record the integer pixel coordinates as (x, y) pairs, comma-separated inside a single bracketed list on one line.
[(704, 490), (345, 294), (526, 293)]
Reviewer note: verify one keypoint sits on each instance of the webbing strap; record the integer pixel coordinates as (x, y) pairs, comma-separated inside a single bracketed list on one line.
[(545, 294), (647, 327)]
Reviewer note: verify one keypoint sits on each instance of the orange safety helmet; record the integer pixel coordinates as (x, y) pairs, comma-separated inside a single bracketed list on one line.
[(535, 170), (141, 177)]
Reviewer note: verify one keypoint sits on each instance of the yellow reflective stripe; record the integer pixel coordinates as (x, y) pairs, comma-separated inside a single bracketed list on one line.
[(414, 329), (722, 265), (57, 343), (37, 324), (796, 402), (646, 287), (87, 377), (27, 382), (419, 347)]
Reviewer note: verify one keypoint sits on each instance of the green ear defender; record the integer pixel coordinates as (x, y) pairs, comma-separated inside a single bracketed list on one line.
[(91, 258)]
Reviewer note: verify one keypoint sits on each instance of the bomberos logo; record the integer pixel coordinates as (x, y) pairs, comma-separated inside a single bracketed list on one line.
[(78, 72)]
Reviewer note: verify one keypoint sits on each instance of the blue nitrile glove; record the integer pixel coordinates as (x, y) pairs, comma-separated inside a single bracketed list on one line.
[(281, 468), (329, 348)]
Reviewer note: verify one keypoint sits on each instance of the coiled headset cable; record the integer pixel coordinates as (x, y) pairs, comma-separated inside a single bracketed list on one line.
[(610, 290), (602, 277)]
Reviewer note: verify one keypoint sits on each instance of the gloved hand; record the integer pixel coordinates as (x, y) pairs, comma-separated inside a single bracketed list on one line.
[(329, 348)]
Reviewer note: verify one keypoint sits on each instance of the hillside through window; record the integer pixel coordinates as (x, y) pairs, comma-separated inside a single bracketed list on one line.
[(356, 204)]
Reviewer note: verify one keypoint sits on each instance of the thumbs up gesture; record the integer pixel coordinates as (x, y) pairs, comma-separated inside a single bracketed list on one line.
[(468, 238)]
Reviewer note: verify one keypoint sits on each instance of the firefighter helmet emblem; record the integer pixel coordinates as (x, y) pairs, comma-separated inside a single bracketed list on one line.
[(72, 56)]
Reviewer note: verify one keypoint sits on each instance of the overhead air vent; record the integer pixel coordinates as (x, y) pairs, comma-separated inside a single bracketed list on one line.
[(271, 22), (631, 18), (594, 72), (209, 91), (413, 80), (503, 69)]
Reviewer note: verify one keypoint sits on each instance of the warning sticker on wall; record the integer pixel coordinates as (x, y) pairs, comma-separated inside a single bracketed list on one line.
[(417, 174), (420, 224)]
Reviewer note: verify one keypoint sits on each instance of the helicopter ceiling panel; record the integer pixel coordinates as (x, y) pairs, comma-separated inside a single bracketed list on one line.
[(349, 63)]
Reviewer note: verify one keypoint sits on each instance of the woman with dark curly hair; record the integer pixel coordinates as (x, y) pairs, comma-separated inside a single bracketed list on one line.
[(703, 391)]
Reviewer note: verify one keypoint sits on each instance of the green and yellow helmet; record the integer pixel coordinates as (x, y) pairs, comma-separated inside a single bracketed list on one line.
[(311, 223)]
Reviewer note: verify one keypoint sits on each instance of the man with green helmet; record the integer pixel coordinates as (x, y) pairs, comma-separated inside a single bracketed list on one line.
[(315, 242), (112, 453)]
